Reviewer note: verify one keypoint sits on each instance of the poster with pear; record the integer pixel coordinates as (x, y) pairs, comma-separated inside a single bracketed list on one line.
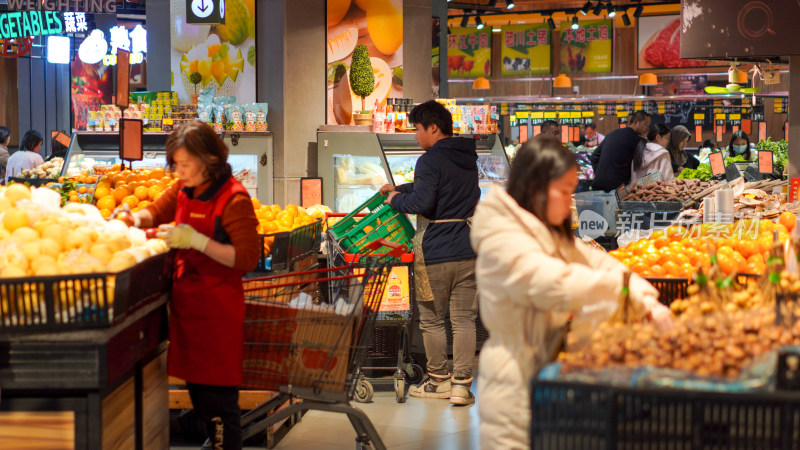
[(378, 24), (223, 55)]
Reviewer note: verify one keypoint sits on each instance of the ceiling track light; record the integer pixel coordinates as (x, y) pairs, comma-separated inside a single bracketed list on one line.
[(598, 8), (625, 19), (575, 25), (638, 11), (464, 20), (492, 3), (586, 8), (478, 22), (610, 10), (551, 23), (509, 4)]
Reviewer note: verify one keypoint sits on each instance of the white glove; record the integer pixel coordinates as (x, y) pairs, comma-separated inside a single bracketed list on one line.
[(183, 236)]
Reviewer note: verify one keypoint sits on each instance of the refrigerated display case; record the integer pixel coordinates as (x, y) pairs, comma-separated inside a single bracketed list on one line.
[(354, 165), (250, 157)]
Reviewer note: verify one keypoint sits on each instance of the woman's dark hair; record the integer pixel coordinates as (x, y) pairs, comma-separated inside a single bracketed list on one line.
[(656, 130), (57, 149), (708, 143), (538, 163), (202, 142), (676, 136), (30, 140), (4, 134), (739, 135), (432, 113)]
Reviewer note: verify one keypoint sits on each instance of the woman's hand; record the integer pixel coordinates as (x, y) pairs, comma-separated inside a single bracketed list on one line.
[(388, 200), (183, 236), (660, 315)]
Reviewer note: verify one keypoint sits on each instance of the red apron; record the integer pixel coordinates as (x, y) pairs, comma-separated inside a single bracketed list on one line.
[(206, 325)]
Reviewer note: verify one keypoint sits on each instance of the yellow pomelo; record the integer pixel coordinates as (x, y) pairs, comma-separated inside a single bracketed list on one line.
[(17, 192), (5, 203), (13, 272), (25, 234), (46, 270), (77, 239), (44, 262), (15, 218), (385, 25), (50, 247), (43, 223), (121, 261), (101, 252), (32, 250), (57, 233)]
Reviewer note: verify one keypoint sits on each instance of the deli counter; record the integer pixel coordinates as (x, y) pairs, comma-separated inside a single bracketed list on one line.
[(354, 165)]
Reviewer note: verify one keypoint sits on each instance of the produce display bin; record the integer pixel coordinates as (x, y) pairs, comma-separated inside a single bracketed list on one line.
[(354, 233), (305, 241), (277, 258), (570, 415), (281, 251), (671, 289), (32, 182), (95, 300)]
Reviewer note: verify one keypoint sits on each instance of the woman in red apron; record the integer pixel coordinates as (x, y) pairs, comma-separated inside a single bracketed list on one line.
[(217, 243)]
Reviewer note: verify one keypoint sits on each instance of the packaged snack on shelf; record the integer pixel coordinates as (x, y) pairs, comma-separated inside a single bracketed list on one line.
[(234, 114), (219, 117), (250, 117), (261, 116)]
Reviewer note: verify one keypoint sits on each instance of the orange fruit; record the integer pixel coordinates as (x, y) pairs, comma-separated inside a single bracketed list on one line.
[(657, 270), (256, 202), (120, 193), (91, 190), (153, 191), (727, 263), (725, 250), (156, 173), (106, 213), (681, 259), (107, 202), (687, 270), (82, 190), (131, 200), (144, 203), (639, 266), (101, 192), (676, 232), (788, 220), (651, 258), (671, 269), (141, 193)]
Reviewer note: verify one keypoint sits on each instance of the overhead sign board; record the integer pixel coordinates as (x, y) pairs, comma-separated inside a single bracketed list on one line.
[(20, 24), (88, 6), (205, 11)]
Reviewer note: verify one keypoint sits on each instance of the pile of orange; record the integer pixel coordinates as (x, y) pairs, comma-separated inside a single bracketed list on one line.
[(677, 252), (274, 219), (138, 188)]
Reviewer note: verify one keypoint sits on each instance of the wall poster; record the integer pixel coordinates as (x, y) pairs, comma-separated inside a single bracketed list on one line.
[(659, 43), (589, 49), (469, 53), (525, 50)]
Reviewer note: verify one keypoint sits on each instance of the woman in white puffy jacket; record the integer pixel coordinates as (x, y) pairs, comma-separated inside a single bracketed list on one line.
[(531, 273)]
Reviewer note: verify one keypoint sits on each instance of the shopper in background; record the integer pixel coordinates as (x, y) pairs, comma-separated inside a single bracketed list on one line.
[(612, 159), (550, 128), (706, 149), (57, 149), (709, 144), (593, 138), (653, 157), (443, 195), (740, 145), (27, 157), (532, 273), (217, 245), (5, 140), (678, 138)]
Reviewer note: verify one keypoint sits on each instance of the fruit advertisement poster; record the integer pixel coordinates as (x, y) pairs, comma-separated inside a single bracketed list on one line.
[(659, 43), (525, 50), (469, 53), (377, 24), (223, 55), (588, 49)]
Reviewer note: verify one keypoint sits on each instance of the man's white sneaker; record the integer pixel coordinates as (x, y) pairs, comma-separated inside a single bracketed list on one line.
[(431, 388), (460, 394)]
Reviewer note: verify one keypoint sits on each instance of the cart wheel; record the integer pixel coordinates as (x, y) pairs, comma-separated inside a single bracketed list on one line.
[(414, 373), (400, 390), (361, 445), (364, 391)]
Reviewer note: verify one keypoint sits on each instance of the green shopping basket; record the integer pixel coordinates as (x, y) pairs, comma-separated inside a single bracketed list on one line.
[(353, 234)]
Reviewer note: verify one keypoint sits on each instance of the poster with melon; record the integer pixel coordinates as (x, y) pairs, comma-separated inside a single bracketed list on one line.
[(526, 49), (223, 55), (469, 53), (378, 24), (587, 49)]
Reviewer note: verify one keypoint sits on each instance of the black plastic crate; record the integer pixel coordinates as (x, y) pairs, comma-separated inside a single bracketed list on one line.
[(277, 258), (82, 301), (583, 416), (305, 241), (32, 182)]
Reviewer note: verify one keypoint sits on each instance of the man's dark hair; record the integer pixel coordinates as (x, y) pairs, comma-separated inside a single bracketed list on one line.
[(547, 124), (4, 134), (639, 116), (432, 113), (591, 125), (708, 143), (30, 140)]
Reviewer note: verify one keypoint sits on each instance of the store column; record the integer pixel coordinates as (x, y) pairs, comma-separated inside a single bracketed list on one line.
[(794, 117)]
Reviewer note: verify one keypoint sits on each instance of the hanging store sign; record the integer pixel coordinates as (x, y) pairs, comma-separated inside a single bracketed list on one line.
[(205, 11), (95, 48), (87, 6), (588, 48), (20, 24), (469, 53), (526, 49)]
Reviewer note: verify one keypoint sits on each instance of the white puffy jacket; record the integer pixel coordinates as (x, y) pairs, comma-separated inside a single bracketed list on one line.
[(528, 283)]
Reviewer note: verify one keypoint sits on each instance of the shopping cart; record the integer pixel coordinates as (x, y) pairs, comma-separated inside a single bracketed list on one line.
[(390, 337), (305, 334)]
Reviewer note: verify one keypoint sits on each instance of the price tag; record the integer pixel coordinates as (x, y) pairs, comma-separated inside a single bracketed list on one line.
[(758, 113), (512, 120), (622, 117), (717, 161), (601, 109), (735, 119), (130, 139), (550, 115), (794, 189), (762, 131), (310, 192), (719, 119), (765, 161)]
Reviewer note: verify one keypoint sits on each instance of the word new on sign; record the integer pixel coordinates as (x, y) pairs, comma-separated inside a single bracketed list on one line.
[(21, 24), (89, 6)]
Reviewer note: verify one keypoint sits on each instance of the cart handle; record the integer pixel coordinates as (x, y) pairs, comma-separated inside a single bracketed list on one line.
[(397, 251), (286, 275)]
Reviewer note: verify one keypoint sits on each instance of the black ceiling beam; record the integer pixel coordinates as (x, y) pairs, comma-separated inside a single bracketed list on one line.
[(500, 11)]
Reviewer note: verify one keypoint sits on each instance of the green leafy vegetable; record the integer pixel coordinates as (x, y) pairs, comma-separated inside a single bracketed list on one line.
[(780, 149)]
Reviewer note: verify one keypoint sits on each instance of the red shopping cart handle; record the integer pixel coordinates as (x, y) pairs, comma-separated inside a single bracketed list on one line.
[(397, 251)]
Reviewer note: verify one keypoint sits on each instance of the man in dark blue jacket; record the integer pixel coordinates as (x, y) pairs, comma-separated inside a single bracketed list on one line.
[(443, 195)]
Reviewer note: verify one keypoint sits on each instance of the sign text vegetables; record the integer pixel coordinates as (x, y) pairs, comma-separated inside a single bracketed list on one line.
[(29, 23), (89, 6)]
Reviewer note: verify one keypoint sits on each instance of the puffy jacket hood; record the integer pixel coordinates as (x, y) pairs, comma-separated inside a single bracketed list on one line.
[(461, 151)]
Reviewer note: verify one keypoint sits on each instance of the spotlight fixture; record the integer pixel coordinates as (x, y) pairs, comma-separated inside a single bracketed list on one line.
[(492, 3), (638, 11), (509, 4), (574, 22), (496, 29), (598, 8), (478, 22), (464, 21), (551, 23), (586, 8), (625, 19), (610, 10)]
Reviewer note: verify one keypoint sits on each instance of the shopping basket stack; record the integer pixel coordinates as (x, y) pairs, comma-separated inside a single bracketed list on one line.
[(310, 349)]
